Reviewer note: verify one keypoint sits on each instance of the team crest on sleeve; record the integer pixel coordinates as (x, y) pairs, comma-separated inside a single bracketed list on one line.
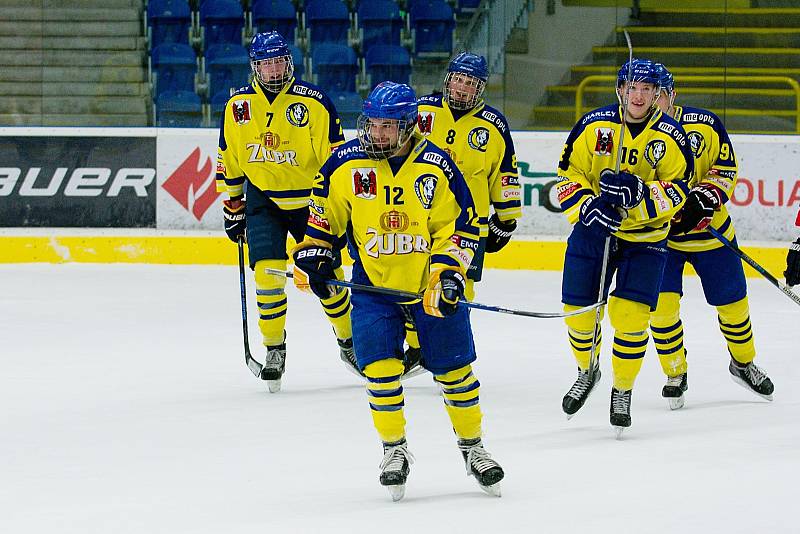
[(425, 122), (297, 114), (478, 138), (654, 152), (241, 111), (697, 142), (365, 182), (425, 187), (605, 141)]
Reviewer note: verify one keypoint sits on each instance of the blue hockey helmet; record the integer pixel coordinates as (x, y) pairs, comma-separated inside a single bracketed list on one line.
[(464, 72), (640, 70), (666, 80), (392, 104), (267, 49)]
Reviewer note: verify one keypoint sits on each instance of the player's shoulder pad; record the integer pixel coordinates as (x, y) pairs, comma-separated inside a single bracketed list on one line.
[(493, 116), (427, 152), (346, 152), (245, 90), (433, 99), (666, 124), (692, 115), (308, 90), (608, 113)]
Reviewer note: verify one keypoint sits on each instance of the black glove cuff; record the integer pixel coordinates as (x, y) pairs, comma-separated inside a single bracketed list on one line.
[(502, 228)]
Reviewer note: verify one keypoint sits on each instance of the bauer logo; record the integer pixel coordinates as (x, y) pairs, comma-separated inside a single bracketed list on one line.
[(73, 182), (192, 185)]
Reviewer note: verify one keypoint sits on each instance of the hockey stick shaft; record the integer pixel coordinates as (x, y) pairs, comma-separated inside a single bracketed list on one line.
[(755, 265), (251, 362), (408, 295)]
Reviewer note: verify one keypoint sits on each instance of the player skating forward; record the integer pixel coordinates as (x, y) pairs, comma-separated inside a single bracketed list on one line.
[(477, 138), (634, 207), (719, 269), (411, 225), (274, 136)]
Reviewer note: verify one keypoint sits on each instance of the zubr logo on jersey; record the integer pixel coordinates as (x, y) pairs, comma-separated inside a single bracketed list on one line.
[(192, 185)]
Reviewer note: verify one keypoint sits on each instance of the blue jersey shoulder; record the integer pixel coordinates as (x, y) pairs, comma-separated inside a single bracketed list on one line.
[(427, 152), (309, 90), (493, 116), (245, 90), (691, 115), (433, 99)]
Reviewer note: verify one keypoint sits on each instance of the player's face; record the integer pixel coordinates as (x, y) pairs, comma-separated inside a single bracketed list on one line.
[(383, 133), (664, 101), (272, 69), (463, 88), (641, 98)]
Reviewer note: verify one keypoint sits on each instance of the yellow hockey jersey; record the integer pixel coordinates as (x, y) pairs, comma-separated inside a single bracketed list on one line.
[(659, 154), (276, 146), (399, 226), (480, 144), (714, 164)]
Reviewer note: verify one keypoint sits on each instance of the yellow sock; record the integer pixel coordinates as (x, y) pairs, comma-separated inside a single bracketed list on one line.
[(667, 330), (271, 299), (580, 329), (734, 322), (386, 399), (460, 389)]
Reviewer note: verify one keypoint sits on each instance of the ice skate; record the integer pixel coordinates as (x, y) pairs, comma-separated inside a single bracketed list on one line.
[(395, 467), (479, 464), (674, 389), (620, 411), (348, 356), (274, 367), (752, 378), (412, 362), (579, 392)]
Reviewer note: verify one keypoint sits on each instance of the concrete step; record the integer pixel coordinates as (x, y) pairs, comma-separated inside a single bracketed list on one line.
[(72, 58), (760, 18), (710, 37), (16, 119), (73, 43), (579, 72), (34, 74), (119, 105), (37, 14), (55, 29), (696, 56), (83, 4), (9, 89)]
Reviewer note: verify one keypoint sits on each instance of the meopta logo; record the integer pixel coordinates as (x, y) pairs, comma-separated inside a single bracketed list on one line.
[(192, 186)]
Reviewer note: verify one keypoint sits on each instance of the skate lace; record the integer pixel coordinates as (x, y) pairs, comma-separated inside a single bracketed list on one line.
[(620, 402), (275, 357), (393, 458), (675, 381), (479, 459), (755, 373), (348, 354), (581, 385)]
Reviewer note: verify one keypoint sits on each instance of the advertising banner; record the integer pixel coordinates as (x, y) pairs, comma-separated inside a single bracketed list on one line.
[(77, 181)]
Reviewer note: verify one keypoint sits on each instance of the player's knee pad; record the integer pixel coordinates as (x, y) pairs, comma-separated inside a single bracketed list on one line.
[(583, 322), (461, 395), (668, 310), (627, 315), (386, 400), (271, 300), (735, 312)]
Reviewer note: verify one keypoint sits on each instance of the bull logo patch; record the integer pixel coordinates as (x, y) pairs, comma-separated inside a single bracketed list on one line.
[(697, 142), (425, 122), (365, 182), (478, 138), (241, 111), (605, 141), (297, 114), (654, 152), (425, 187)]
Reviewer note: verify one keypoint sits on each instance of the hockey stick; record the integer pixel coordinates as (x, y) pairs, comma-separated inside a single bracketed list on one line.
[(593, 356), (251, 362), (475, 305), (752, 263)]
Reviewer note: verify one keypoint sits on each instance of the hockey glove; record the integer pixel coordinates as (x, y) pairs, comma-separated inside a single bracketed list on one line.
[(313, 267), (445, 289), (235, 221), (793, 264), (599, 215), (625, 190), (698, 210), (499, 233)]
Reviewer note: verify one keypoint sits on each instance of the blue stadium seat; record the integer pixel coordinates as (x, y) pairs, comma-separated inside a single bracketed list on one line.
[(222, 21), (327, 22), (380, 23), (275, 15), (432, 23), (297, 59), (179, 109), (168, 21), (174, 66), (217, 103), (334, 67), (468, 6), (227, 66), (348, 105), (388, 63)]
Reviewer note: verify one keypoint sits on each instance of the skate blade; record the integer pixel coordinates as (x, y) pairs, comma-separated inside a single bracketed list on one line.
[(274, 385), (676, 403), (618, 431), (748, 388), (397, 491), (493, 490), (353, 370), (414, 371)]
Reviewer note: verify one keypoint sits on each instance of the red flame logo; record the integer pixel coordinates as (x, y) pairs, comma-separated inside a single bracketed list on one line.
[(192, 186)]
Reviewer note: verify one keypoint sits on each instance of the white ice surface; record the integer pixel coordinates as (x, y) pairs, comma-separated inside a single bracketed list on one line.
[(126, 406)]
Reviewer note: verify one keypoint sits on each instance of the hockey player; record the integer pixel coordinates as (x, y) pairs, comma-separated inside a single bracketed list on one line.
[(411, 225), (719, 269), (275, 134), (634, 208), (477, 138), (792, 272)]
